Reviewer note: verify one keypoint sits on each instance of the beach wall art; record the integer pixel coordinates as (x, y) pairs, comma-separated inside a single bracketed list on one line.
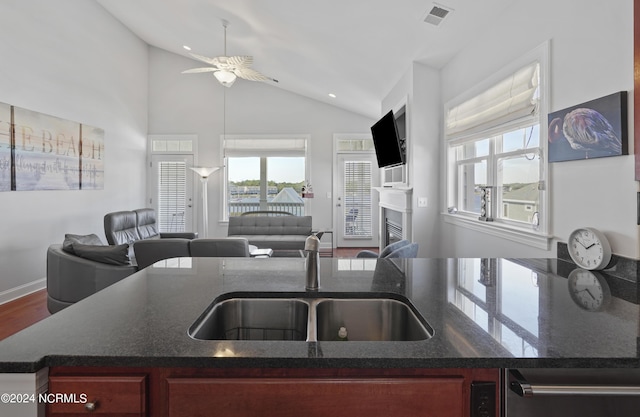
[(594, 129), (43, 152)]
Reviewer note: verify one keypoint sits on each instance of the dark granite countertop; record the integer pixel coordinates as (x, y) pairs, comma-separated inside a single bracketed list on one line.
[(485, 313)]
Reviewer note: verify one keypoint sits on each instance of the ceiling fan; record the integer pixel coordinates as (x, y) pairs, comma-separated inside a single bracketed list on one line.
[(227, 68)]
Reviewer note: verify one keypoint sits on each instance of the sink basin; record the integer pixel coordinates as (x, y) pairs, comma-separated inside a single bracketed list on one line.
[(377, 319), (310, 319), (254, 319)]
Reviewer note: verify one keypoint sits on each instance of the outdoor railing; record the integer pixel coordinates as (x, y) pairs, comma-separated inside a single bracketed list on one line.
[(236, 208)]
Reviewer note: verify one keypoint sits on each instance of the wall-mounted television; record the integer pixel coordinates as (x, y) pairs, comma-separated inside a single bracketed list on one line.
[(387, 142)]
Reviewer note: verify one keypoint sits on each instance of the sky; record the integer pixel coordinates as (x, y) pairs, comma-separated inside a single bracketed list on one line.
[(278, 169)]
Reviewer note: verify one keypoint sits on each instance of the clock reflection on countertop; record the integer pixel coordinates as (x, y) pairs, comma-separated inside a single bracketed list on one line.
[(589, 290)]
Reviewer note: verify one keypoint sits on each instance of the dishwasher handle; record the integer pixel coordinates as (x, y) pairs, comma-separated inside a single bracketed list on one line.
[(520, 386)]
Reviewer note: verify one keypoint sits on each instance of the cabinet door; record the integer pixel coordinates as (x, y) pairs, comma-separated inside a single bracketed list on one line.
[(293, 397), (102, 395)]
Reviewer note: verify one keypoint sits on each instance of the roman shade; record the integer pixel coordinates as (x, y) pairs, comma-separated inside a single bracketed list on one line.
[(275, 146), (511, 98)]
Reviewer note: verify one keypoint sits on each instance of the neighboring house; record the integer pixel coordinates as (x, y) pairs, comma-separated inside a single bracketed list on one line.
[(520, 202)]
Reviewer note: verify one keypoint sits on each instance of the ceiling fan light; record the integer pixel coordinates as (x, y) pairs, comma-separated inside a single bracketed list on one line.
[(226, 78)]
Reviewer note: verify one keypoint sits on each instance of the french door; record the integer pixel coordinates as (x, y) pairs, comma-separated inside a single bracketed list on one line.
[(171, 185), (356, 203)]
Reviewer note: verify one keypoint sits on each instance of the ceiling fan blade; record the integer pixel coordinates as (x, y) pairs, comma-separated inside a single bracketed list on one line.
[(252, 75), (198, 70), (210, 61), (240, 61)]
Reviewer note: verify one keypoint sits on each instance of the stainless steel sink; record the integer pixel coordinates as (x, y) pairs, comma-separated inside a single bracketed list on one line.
[(254, 319), (310, 319), (369, 320)]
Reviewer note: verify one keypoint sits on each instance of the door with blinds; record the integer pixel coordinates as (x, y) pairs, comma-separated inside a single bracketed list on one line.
[(356, 201), (172, 192)]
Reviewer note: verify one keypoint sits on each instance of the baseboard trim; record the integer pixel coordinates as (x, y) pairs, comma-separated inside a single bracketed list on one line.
[(17, 292)]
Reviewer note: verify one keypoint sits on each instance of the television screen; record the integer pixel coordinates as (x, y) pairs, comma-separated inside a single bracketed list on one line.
[(386, 141)]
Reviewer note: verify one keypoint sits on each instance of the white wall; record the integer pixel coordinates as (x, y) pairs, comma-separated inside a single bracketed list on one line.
[(591, 56), (72, 60), (193, 103), (420, 88)]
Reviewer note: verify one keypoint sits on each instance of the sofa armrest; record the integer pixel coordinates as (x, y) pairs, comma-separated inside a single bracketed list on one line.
[(71, 278), (182, 235)]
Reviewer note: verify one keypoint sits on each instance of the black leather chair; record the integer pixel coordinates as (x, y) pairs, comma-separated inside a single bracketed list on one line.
[(130, 226)]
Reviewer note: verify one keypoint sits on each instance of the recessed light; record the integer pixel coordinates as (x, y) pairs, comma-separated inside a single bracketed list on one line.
[(332, 95), (186, 47)]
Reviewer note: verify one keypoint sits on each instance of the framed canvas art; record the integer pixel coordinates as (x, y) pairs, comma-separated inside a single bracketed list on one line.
[(5, 147), (594, 129), (91, 158), (47, 153)]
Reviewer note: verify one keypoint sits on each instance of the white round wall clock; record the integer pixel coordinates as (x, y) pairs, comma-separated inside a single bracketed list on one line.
[(589, 248)]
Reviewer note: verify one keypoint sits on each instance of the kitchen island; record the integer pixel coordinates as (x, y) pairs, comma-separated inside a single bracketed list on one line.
[(484, 315)]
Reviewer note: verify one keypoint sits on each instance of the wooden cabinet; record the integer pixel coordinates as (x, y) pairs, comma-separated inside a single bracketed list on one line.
[(194, 392), (123, 396), (292, 397)]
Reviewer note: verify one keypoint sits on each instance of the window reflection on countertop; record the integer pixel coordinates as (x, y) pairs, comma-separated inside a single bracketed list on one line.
[(531, 312)]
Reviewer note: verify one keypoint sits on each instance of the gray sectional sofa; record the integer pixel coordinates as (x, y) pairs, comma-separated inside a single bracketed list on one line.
[(83, 264), (280, 233)]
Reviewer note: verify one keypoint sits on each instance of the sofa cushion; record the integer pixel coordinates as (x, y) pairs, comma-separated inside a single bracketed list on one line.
[(106, 254), (146, 223), (269, 225), (121, 227), (71, 239)]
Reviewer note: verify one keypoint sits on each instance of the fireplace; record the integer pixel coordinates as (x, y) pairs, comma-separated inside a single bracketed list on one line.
[(395, 214), (392, 227)]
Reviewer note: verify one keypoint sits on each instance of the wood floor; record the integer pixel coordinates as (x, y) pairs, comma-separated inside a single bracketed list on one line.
[(25, 311)]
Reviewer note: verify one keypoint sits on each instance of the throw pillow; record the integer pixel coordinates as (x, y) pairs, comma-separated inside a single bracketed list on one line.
[(70, 239), (106, 254)]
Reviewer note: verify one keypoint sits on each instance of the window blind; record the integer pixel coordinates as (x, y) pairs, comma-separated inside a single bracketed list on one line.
[(513, 97), (265, 147), (357, 205), (172, 196)]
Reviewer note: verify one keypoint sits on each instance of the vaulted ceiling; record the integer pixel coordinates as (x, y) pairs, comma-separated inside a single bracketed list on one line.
[(355, 49)]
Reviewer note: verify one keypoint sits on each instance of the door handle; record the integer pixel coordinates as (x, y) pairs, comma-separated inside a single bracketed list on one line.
[(520, 386)]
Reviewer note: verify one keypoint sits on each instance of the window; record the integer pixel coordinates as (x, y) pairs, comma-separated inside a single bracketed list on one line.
[(494, 140), (264, 173)]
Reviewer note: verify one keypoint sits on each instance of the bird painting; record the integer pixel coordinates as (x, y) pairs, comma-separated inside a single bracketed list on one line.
[(583, 133)]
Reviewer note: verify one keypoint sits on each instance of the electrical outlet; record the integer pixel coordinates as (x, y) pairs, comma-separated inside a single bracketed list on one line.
[(483, 399), (422, 202)]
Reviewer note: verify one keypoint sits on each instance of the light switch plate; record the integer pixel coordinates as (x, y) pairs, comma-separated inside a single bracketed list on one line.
[(422, 201)]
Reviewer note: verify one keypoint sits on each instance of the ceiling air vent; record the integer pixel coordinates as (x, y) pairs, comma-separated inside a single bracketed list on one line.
[(437, 14)]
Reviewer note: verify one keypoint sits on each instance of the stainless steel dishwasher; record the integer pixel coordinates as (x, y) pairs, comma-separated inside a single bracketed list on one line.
[(572, 392)]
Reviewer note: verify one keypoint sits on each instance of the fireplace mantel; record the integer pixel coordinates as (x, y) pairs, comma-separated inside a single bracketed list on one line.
[(396, 198)]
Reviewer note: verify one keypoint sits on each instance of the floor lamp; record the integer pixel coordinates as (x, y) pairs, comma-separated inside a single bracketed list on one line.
[(204, 173)]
